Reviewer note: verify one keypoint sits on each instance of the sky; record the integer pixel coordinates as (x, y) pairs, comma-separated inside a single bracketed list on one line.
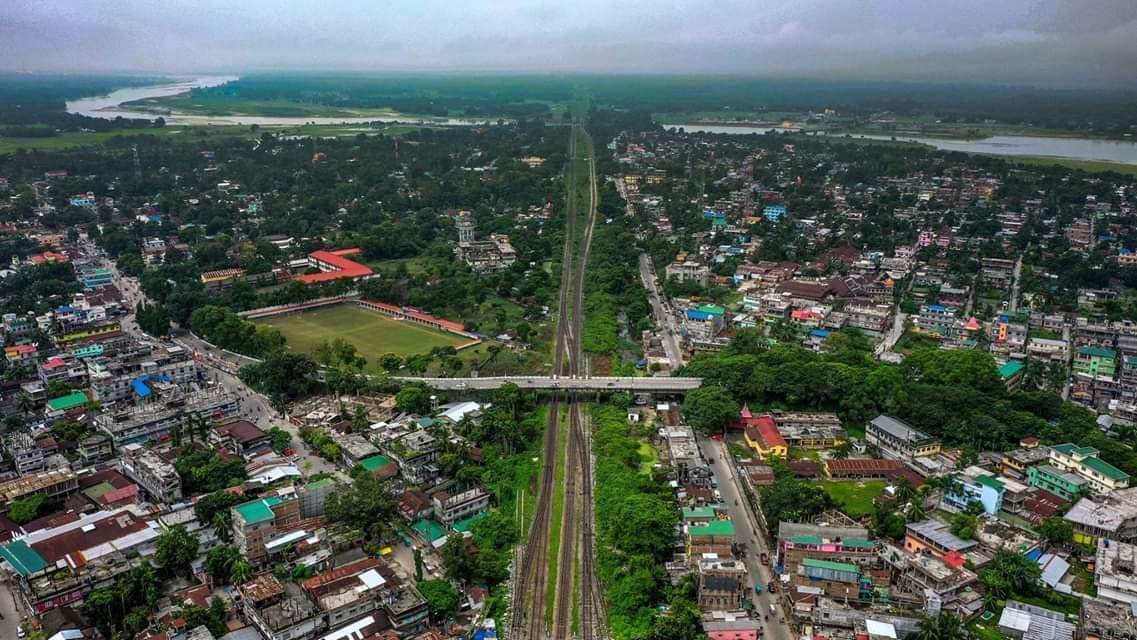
[(1011, 41)]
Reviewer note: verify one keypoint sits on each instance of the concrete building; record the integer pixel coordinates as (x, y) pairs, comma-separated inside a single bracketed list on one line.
[(1023, 621), (689, 272), (416, 454), (487, 256), (27, 456), (258, 523), (117, 378), (936, 538), (1102, 476), (895, 437), (715, 537), (1115, 571), (280, 611), (1112, 516), (1015, 463), (1063, 484), (723, 584), (975, 485), (926, 577), (156, 476), (452, 508), (810, 430), (761, 434), (239, 437), (53, 484), (152, 421)]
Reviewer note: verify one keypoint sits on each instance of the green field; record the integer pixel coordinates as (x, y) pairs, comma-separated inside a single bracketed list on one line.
[(371, 333), (855, 496)]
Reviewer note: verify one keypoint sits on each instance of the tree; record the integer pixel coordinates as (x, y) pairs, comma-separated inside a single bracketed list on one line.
[(223, 524), (365, 504), (460, 558), (1009, 574), (26, 509), (219, 562), (176, 549), (1056, 531), (441, 597), (710, 409), (414, 399), (241, 572), (946, 626), (390, 362), (791, 500), (281, 439)]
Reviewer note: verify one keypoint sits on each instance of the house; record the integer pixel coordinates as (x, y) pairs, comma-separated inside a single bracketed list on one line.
[(975, 485), (1027, 622), (810, 430), (381, 466), (1012, 374), (1112, 516), (416, 453), (1096, 361), (723, 584), (895, 437), (1102, 476), (280, 611), (689, 272), (334, 265), (239, 437), (1015, 463), (158, 477), (762, 434), (264, 526), (716, 536)]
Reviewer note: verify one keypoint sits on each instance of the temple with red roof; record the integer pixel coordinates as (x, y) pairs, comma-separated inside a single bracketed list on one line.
[(762, 434)]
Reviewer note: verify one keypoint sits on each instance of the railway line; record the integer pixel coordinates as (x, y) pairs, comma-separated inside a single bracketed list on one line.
[(571, 616)]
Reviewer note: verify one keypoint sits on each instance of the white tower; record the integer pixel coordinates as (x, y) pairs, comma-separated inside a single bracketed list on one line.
[(465, 230)]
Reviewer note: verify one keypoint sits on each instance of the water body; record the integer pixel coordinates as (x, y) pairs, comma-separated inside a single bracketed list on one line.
[(1121, 151), (111, 106)]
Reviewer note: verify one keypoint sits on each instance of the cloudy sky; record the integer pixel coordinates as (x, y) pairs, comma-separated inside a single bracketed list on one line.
[(1043, 41)]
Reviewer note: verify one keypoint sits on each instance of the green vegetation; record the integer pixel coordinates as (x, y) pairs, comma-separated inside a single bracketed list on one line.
[(203, 471), (123, 610), (442, 598), (26, 509), (205, 102), (1089, 166), (176, 550), (792, 500), (635, 519), (372, 333), (855, 496), (366, 504), (710, 409)]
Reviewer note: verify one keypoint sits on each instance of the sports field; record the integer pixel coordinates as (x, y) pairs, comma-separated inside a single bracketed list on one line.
[(371, 333)]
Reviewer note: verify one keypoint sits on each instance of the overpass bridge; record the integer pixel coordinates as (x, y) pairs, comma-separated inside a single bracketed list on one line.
[(564, 383)]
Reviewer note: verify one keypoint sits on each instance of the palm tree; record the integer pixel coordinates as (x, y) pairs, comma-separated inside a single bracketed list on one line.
[(223, 524), (916, 510), (946, 626), (240, 572), (904, 491), (25, 403)]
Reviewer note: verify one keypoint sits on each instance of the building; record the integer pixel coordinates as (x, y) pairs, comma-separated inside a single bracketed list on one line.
[(762, 435), (52, 484), (975, 485), (936, 538), (810, 430), (1115, 571), (71, 404), (937, 318), (280, 611), (1027, 622), (416, 455), (450, 508), (689, 272), (1096, 361), (240, 437), (221, 277), (64, 368), (156, 476), (153, 421), (704, 322), (895, 437), (334, 265), (1012, 374), (381, 466), (350, 591), (865, 468), (1064, 484), (125, 376), (997, 272), (1015, 463), (257, 521), (95, 277), (59, 564), (714, 537), (1113, 516), (26, 454), (774, 212), (874, 320), (486, 256), (1102, 476), (723, 584), (95, 448), (932, 580), (848, 545)]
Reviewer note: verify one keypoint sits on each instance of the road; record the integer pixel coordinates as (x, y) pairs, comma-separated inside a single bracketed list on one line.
[(746, 531), (663, 320), (1014, 303), (893, 334), (10, 625)]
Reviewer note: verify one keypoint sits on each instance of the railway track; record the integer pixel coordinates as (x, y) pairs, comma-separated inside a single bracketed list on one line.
[(575, 556)]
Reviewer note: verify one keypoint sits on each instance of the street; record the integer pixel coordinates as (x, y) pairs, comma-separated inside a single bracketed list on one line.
[(746, 531), (10, 625), (668, 330)]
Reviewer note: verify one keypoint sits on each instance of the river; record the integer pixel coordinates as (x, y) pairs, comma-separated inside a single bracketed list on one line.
[(1121, 151), (111, 106)]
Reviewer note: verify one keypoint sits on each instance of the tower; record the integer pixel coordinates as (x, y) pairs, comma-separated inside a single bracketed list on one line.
[(465, 229)]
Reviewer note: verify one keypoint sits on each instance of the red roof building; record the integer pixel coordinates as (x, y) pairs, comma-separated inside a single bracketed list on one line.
[(334, 266), (762, 433)]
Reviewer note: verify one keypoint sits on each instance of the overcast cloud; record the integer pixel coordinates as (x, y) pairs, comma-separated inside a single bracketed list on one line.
[(1050, 41)]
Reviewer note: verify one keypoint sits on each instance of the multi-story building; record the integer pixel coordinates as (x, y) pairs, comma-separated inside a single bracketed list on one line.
[(281, 611), (59, 564), (239, 437), (95, 277), (975, 485), (264, 526), (723, 584), (689, 272), (895, 437), (997, 272), (704, 322), (1096, 361), (934, 581), (1047, 349), (938, 318), (156, 476), (115, 379), (936, 538), (64, 368), (172, 410), (1115, 571), (874, 320), (95, 448), (1064, 484), (1112, 516), (52, 484), (450, 508), (416, 454), (487, 256), (350, 591), (1102, 476), (26, 454), (716, 536), (762, 435), (70, 405)]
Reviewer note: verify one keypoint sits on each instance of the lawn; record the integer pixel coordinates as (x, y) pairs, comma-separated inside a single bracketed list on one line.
[(855, 496), (648, 458), (76, 139), (372, 334)]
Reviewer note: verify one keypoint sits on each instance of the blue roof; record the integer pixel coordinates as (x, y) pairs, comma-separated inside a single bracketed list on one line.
[(936, 307), (140, 386), (1034, 554), (820, 333), (694, 314), (63, 308)]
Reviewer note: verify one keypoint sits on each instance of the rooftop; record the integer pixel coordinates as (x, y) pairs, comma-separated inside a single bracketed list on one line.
[(940, 534), (258, 510), (712, 528)]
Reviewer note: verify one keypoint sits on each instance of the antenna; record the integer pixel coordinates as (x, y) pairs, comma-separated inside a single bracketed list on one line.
[(137, 164)]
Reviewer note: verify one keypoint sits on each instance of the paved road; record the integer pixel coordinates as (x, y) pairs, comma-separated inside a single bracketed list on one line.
[(10, 625), (656, 385), (893, 334), (746, 528), (663, 320), (1016, 281)]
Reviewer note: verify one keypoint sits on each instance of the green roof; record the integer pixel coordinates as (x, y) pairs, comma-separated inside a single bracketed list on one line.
[(711, 309), (1065, 448), (1010, 369), (22, 558), (319, 484), (805, 540), (829, 564), (463, 526), (854, 542), (93, 492), (69, 401), (1105, 468), (698, 512), (712, 528), (430, 530), (375, 462), (258, 510), (990, 482), (1098, 352)]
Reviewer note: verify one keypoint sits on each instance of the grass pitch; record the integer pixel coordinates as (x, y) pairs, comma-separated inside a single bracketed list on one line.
[(371, 333)]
